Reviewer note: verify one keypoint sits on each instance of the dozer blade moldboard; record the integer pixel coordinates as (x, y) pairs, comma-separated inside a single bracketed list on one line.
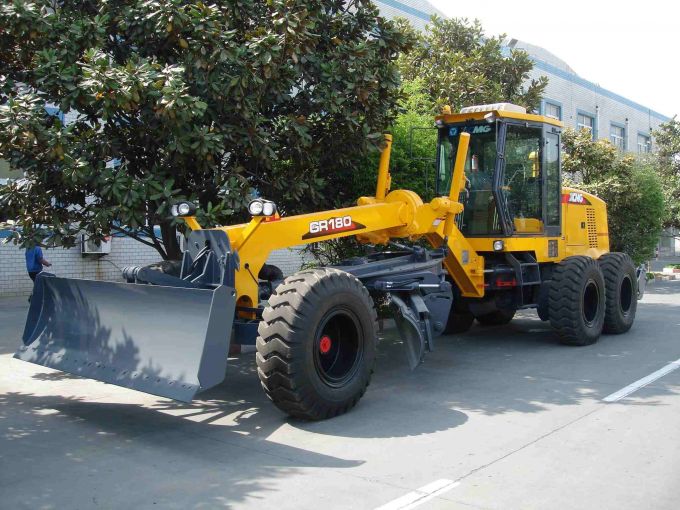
[(167, 341)]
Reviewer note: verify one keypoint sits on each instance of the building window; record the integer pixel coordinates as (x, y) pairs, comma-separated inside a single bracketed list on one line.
[(553, 110), (644, 143), (584, 121), (617, 136)]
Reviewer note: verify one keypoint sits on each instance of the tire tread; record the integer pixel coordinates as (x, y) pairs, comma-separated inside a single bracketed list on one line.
[(279, 348), (564, 299)]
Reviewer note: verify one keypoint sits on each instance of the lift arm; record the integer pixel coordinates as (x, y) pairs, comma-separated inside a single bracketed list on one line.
[(388, 215)]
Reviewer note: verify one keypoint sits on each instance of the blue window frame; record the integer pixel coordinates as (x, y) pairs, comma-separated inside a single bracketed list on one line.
[(586, 120), (644, 143), (617, 135), (551, 108)]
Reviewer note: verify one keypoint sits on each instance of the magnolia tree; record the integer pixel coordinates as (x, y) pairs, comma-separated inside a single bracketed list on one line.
[(173, 99), (459, 65)]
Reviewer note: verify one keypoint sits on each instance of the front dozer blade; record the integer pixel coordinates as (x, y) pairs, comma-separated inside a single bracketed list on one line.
[(167, 341)]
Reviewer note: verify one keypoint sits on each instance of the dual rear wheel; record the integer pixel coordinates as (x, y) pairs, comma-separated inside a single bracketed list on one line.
[(584, 298), (587, 297)]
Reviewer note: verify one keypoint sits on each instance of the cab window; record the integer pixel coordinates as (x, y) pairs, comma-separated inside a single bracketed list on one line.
[(522, 179), (552, 177)]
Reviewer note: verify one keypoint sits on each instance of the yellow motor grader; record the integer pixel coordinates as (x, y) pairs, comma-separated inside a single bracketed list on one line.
[(504, 236)]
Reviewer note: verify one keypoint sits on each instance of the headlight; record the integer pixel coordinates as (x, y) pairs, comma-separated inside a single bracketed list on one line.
[(261, 207), (269, 208), (498, 245), (255, 207), (182, 209)]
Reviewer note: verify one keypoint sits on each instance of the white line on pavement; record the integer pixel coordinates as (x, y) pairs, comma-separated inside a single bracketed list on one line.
[(420, 496), (641, 383)]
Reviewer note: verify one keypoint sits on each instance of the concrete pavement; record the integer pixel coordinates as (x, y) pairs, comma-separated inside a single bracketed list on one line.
[(512, 416)]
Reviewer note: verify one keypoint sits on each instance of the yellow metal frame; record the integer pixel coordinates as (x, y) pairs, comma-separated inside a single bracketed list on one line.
[(387, 215), (402, 214)]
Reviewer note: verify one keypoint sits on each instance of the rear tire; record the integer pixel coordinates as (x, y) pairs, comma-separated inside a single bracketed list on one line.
[(577, 300), (316, 344), (497, 318), (620, 280)]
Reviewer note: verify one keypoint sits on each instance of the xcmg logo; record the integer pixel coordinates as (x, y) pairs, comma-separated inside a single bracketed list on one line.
[(322, 228), (574, 197), (474, 130)]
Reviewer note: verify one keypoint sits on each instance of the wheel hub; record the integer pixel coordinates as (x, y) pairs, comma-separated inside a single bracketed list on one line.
[(338, 347), (325, 344)]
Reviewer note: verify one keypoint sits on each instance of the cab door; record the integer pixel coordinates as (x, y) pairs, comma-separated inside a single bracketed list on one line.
[(520, 182), (552, 181)]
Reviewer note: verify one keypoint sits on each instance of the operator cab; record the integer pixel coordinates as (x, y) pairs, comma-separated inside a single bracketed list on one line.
[(512, 171)]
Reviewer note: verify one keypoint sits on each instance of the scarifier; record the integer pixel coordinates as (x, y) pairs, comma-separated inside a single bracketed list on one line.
[(504, 236)]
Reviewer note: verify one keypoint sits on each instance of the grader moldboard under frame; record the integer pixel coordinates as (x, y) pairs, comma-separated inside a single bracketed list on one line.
[(504, 234)]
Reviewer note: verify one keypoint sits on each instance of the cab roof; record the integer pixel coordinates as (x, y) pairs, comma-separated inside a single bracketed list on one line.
[(498, 110)]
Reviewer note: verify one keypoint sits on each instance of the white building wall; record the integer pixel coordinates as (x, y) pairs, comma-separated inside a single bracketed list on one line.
[(576, 95), (69, 263), (290, 260)]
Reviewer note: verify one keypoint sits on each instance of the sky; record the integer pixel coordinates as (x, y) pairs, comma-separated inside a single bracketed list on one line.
[(631, 48)]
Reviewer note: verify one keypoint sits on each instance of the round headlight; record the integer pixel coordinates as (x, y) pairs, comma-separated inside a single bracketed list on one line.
[(268, 208), (255, 207), (183, 209), (498, 245)]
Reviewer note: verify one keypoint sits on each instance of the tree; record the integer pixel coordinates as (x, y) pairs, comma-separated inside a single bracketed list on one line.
[(173, 99), (459, 65), (630, 188), (413, 147), (667, 138)]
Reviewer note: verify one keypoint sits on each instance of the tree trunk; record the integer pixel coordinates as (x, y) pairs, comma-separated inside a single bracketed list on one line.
[(169, 236)]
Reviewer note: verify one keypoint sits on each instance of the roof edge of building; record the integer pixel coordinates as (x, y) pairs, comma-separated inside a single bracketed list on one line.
[(574, 78)]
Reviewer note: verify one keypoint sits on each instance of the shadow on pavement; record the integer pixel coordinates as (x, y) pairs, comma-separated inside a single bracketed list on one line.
[(54, 376), (101, 449), (520, 367)]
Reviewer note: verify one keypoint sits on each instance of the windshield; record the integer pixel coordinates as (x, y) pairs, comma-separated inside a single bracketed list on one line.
[(480, 216)]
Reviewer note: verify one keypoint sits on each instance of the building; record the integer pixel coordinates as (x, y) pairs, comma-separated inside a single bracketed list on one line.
[(579, 103), (418, 12), (582, 104)]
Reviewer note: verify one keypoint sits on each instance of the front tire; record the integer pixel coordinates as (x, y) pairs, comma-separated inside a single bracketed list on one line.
[(316, 344), (620, 280), (577, 300)]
